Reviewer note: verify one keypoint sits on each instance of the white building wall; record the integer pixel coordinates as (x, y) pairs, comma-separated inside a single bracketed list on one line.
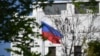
[(85, 21), (40, 16)]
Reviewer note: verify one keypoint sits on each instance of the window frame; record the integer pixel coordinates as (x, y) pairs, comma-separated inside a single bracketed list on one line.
[(85, 7)]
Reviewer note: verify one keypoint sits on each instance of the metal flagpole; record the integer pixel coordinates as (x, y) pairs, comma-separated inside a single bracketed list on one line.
[(43, 47), (42, 40)]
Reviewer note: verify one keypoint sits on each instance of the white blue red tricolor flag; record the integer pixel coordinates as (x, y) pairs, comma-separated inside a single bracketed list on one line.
[(50, 33)]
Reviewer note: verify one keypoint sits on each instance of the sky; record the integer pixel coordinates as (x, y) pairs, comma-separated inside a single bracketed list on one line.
[(3, 46)]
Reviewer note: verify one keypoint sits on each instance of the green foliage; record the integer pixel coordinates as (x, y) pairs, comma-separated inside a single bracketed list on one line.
[(91, 5), (13, 20), (93, 48), (16, 27), (15, 51)]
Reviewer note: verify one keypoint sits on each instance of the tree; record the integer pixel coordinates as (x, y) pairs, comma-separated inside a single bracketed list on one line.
[(16, 26), (93, 48)]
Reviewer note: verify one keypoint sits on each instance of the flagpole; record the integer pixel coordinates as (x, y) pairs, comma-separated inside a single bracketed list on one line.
[(43, 48)]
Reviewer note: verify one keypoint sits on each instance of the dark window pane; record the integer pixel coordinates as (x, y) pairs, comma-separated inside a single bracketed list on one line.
[(55, 9), (77, 50), (52, 51)]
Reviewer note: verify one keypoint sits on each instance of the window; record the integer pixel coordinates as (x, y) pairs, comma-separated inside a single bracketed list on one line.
[(55, 9), (86, 7), (52, 51), (77, 51)]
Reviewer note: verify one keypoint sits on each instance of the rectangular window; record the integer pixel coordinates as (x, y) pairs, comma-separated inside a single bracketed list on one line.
[(86, 7), (55, 9), (52, 51), (77, 51)]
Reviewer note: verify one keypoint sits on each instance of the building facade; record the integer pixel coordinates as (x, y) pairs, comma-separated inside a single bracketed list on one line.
[(76, 24)]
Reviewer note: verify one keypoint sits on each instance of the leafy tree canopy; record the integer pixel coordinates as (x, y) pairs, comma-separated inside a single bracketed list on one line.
[(93, 48), (15, 26), (13, 20)]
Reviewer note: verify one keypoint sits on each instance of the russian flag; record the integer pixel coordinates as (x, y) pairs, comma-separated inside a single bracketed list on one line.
[(50, 33)]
